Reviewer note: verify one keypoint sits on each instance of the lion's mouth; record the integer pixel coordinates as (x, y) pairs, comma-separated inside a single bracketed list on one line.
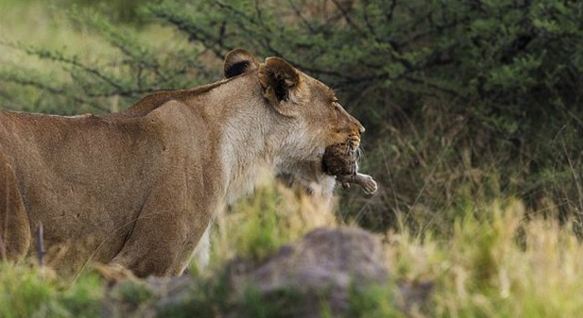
[(353, 142)]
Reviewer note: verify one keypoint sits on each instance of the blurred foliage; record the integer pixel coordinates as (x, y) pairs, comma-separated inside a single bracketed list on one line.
[(27, 291), (463, 100), (494, 265), (126, 11)]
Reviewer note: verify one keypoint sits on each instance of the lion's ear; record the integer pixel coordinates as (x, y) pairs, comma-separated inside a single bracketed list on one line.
[(239, 61), (278, 79)]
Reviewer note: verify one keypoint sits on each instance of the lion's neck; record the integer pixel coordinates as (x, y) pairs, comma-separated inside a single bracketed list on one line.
[(249, 153), (246, 131)]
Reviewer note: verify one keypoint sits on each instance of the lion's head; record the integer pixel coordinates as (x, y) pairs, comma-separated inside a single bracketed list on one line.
[(307, 105)]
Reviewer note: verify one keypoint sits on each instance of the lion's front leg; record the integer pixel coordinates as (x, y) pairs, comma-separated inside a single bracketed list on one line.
[(164, 237), (154, 249), (203, 249), (158, 246)]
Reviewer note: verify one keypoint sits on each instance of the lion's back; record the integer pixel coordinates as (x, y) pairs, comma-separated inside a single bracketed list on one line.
[(77, 173)]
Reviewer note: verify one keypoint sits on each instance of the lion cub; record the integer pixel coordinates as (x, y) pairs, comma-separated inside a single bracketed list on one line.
[(341, 160)]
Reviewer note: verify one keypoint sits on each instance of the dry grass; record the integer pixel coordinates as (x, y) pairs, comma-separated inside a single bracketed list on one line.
[(496, 262)]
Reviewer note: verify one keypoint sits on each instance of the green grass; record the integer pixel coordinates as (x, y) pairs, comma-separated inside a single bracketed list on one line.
[(374, 301), (26, 291)]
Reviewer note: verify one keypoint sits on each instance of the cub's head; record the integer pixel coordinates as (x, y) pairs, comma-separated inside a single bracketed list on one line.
[(301, 102)]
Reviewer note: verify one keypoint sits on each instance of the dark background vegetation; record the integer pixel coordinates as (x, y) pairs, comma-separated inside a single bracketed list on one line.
[(463, 101)]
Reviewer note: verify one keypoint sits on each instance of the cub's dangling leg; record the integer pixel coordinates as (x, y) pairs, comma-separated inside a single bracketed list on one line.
[(367, 183)]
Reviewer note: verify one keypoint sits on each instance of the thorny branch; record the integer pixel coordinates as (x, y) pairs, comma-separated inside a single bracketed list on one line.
[(55, 91)]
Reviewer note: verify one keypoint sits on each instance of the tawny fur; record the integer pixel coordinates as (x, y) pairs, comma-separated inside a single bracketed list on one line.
[(139, 188)]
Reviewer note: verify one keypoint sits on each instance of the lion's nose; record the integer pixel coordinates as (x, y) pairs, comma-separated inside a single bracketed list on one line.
[(358, 127), (354, 124)]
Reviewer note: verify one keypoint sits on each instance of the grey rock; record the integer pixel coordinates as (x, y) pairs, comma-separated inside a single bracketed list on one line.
[(323, 266)]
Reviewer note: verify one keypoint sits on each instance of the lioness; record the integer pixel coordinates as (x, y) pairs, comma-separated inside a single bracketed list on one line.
[(140, 187)]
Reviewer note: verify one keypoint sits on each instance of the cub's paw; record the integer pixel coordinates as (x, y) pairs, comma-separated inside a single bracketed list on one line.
[(369, 185)]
